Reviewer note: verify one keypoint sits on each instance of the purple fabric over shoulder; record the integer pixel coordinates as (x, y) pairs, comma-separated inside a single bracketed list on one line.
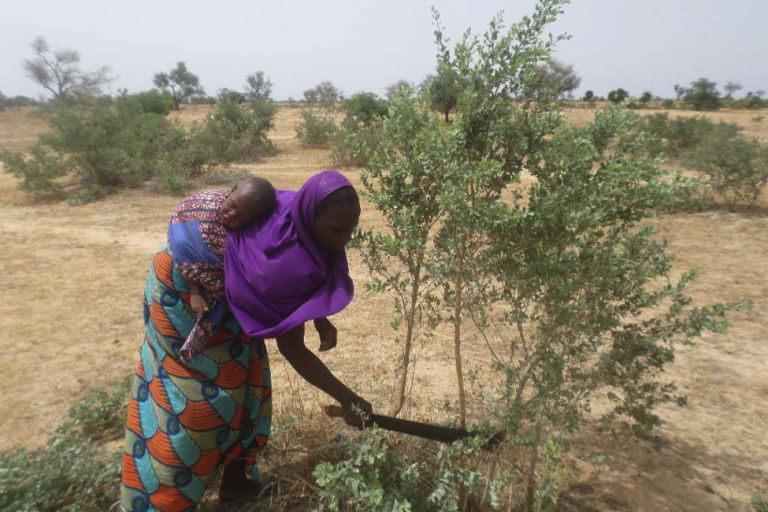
[(276, 275)]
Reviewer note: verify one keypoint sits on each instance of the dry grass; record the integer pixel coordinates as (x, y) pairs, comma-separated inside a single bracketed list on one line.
[(70, 314)]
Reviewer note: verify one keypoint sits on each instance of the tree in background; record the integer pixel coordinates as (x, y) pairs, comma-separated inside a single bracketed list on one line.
[(235, 131), (443, 92), (645, 97), (20, 101), (325, 93), (359, 131), (258, 87), (180, 83), (554, 78), (589, 96), (617, 95), (401, 87), (730, 88), (702, 95), (230, 95), (318, 125), (364, 108), (58, 71), (752, 100), (679, 91)]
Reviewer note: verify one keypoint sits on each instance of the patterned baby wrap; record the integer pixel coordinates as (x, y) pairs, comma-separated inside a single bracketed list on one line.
[(197, 239)]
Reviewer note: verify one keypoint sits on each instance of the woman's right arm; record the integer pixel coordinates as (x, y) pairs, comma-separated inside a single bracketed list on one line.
[(311, 368)]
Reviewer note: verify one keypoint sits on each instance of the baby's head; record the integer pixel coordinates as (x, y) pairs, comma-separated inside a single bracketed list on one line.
[(247, 201)]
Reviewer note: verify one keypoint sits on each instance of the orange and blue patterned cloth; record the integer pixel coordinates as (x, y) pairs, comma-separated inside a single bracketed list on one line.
[(197, 239), (187, 418)]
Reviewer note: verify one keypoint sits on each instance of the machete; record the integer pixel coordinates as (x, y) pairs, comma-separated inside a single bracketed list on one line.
[(425, 430)]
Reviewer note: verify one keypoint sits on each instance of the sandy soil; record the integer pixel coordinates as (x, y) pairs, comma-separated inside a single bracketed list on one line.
[(70, 318)]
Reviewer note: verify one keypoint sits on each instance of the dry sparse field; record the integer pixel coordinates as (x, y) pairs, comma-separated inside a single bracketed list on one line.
[(70, 318)]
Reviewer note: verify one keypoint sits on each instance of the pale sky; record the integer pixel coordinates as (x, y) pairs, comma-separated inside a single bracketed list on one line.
[(363, 45)]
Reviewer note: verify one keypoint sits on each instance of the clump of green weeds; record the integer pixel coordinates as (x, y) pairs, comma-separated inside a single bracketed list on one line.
[(759, 503), (73, 471), (373, 473)]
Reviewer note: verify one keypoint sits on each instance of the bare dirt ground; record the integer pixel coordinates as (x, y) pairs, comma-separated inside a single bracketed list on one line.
[(70, 318)]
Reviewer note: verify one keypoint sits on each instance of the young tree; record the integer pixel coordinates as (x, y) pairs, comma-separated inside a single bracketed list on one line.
[(435, 181), (58, 71), (588, 296), (258, 87), (702, 95), (562, 272), (416, 149), (180, 83), (499, 139)]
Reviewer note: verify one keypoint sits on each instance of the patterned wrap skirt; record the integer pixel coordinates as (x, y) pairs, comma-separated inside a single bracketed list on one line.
[(186, 419)]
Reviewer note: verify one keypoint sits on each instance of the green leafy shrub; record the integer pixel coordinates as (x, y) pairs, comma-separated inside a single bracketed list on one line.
[(584, 310), (358, 134), (751, 101), (668, 104), (235, 131), (679, 135), (373, 475), (149, 102), (759, 503), (354, 145), (736, 166), (37, 174), (317, 128), (104, 145), (100, 416), (364, 108), (72, 472)]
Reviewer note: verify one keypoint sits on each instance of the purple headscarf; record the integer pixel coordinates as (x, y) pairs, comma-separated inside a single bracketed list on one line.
[(276, 275)]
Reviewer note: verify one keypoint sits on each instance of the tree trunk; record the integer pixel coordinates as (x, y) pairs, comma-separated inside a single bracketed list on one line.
[(530, 495), (410, 321), (459, 283)]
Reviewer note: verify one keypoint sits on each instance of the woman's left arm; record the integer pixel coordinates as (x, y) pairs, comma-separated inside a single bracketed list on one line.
[(311, 368)]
